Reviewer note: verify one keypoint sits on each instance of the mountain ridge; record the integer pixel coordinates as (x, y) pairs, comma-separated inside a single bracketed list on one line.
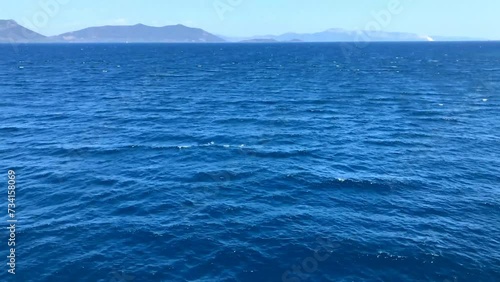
[(342, 35), (139, 33), (12, 32)]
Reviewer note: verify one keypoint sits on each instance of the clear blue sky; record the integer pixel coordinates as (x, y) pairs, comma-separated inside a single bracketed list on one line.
[(478, 18)]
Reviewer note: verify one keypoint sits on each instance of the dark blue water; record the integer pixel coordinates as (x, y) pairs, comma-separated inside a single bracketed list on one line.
[(234, 162)]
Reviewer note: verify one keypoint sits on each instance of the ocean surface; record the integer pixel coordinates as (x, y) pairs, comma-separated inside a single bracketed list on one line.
[(252, 162)]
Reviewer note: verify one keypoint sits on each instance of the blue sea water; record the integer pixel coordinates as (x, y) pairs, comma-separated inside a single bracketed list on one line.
[(242, 162)]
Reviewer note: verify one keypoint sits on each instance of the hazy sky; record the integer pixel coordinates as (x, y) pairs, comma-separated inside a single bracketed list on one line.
[(474, 18)]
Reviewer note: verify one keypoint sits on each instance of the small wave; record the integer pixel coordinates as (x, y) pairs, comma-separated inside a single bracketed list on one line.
[(314, 181), (358, 184), (208, 144), (183, 147), (10, 129), (397, 143), (274, 154), (218, 176)]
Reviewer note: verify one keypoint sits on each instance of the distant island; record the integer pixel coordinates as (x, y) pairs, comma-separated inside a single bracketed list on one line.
[(139, 33), (260, 40), (12, 32), (267, 40)]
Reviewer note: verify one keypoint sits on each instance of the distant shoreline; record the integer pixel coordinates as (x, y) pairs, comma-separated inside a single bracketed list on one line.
[(11, 31)]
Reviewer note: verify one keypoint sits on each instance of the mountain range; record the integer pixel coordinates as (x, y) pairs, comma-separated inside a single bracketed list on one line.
[(12, 32), (139, 33), (340, 35)]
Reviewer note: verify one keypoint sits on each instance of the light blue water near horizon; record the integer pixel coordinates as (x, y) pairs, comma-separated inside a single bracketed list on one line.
[(253, 162)]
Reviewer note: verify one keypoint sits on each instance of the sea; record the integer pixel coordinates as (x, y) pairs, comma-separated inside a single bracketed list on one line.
[(251, 162)]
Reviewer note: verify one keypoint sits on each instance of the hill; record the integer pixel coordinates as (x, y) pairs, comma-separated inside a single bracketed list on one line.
[(12, 32), (139, 33)]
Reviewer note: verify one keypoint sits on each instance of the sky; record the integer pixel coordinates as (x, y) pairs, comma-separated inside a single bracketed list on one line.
[(240, 18)]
